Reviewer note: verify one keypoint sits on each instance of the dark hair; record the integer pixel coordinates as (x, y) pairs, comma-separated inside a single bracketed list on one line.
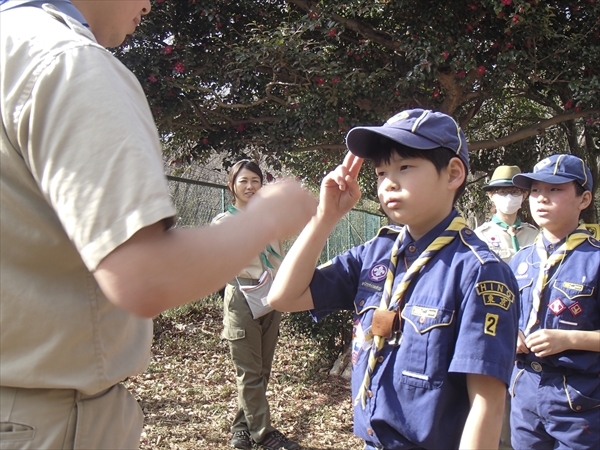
[(579, 189), (237, 168), (440, 157)]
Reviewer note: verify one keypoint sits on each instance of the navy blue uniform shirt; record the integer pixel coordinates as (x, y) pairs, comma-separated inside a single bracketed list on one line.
[(570, 300), (459, 316)]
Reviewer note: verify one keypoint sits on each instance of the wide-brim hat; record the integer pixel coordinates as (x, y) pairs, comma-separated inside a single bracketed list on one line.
[(421, 129), (557, 169), (502, 177)]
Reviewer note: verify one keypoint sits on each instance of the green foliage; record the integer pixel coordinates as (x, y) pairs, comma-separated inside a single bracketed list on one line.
[(287, 79)]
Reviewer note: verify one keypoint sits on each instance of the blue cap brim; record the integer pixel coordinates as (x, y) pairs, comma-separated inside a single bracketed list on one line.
[(365, 142), (524, 180)]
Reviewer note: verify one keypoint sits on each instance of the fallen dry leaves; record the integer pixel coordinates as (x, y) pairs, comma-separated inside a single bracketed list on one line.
[(189, 397)]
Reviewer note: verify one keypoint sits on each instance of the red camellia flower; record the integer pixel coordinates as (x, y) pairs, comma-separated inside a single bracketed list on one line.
[(446, 54), (335, 80), (168, 50), (469, 27), (515, 18), (239, 128), (480, 70), (568, 104), (340, 120), (396, 93), (320, 80), (506, 2), (461, 74), (179, 67), (159, 1), (436, 93), (473, 7), (500, 14), (205, 141), (332, 32), (577, 109), (152, 79)]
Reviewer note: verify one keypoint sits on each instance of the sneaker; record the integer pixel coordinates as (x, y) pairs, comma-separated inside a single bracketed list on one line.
[(241, 439), (276, 440)]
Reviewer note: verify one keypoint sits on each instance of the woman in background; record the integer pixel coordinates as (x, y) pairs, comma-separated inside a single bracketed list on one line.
[(251, 341)]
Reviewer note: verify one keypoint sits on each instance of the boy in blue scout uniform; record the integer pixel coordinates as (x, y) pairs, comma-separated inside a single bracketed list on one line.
[(556, 381), (436, 311)]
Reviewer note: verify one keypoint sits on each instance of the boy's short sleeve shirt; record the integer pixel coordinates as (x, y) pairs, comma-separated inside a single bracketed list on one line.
[(570, 300), (81, 173), (460, 316)]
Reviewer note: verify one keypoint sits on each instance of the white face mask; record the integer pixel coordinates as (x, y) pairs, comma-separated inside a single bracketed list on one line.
[(507, 204)]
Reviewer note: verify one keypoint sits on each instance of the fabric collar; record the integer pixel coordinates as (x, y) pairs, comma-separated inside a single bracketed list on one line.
[(504, 225), (427, 239), (64, 6)]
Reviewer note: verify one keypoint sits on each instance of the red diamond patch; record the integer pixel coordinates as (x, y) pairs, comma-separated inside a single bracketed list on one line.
[(557, 307), (576, 309)]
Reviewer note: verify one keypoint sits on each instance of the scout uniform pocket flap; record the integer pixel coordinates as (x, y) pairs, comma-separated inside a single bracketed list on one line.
[(424, 318), (573, 290)]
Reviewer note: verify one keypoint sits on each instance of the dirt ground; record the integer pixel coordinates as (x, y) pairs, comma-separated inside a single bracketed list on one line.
[(188, 394)]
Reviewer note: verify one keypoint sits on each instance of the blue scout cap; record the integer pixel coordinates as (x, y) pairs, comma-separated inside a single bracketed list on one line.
[(421, 129), (557, 169)]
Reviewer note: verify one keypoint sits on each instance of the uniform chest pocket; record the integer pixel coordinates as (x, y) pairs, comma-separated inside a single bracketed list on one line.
[(573, 290), (425, 318)]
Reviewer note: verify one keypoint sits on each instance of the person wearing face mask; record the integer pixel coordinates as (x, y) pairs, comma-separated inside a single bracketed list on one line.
[(505, 233)]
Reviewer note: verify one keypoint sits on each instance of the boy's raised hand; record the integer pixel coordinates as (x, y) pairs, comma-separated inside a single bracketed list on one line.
[(339, 189)]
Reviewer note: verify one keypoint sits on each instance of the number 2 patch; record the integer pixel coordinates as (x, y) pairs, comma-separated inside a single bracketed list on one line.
[(491, 322)]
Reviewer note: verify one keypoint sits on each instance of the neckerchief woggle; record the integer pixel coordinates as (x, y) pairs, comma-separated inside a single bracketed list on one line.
[(263, 257), (573, 240), (64, 6), (513, 237), (394, 302)]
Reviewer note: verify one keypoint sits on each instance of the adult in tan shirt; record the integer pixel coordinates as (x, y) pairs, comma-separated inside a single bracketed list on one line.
[(87, 251)]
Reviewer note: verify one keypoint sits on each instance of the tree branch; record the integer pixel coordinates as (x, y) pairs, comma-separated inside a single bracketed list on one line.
[(534, 130)]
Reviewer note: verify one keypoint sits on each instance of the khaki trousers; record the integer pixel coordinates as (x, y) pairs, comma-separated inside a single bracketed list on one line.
[(252, 345), (68, 419)]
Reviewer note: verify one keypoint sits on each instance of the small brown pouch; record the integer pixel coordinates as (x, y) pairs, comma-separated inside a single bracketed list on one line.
[(384, 323)]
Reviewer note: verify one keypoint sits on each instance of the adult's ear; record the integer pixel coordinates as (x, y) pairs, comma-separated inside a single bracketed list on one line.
[(456, 173)]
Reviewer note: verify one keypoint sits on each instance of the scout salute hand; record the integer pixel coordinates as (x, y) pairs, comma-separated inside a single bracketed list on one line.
[(340, 190)]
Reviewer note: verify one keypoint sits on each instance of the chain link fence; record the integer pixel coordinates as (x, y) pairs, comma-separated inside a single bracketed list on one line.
[(197, 202)]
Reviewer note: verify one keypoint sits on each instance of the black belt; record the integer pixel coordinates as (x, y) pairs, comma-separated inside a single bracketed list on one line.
[(536, 367)]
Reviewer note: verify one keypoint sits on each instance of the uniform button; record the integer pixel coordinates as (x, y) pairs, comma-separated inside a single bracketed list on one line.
[(578, 407), (380, 359), (412, 249), (537, 321), (551, 247), (468, 232), (361, 303), (370, 431), (370, 394), (536, 366), (422, 320)]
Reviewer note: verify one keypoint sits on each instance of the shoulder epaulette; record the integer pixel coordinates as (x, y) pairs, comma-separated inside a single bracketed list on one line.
[(484, 226), (527, 224), (477, 246), (219, 217)]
